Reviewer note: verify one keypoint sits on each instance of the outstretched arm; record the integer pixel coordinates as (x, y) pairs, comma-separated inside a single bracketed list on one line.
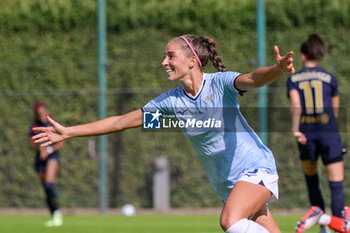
[(58, 133), (265, 75)]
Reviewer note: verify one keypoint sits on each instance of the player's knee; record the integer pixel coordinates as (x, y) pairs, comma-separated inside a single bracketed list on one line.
[(48, 186), (244, 225), (224, 224), (227, 220), (49, 189)]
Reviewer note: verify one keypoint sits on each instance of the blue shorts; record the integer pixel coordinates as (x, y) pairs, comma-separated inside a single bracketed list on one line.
[(330, 150), (40, 165)]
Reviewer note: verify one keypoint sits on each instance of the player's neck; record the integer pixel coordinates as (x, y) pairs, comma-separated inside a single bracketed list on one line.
[(193, 84), (311, 64)]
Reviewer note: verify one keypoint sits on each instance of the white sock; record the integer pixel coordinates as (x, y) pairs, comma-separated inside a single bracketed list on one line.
[(244, 225), (325, 219)]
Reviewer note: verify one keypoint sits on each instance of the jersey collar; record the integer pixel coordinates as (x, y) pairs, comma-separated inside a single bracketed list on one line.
[(198, 93)]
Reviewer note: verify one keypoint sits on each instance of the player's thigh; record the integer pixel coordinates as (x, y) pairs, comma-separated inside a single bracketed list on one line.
[(332, 158), (42, 177), (335, 171), (51, 171), (308, 156), (309, 168), (244, 201), (39, 167), (265, 219)]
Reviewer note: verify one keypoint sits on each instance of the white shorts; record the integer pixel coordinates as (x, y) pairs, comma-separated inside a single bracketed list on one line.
[(262, 177)]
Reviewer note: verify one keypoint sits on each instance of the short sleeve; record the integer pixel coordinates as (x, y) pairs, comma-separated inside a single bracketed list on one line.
[(334, 85), (228, 80), (31, 132), (161, 103)]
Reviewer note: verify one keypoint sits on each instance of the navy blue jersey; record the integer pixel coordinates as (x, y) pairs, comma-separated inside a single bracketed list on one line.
[(316, 88)]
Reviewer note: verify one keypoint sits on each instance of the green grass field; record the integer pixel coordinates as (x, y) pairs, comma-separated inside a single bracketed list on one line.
[(148, 223)]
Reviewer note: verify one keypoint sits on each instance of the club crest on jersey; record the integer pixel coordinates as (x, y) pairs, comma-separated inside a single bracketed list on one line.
[(209, 97), (151, 120)]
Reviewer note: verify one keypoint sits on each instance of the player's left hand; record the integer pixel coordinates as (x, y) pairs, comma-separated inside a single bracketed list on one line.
[(50, 134), (285, 63)]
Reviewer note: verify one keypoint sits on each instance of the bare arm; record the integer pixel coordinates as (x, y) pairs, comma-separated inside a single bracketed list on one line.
[(265, 75), (58, 146), (59, 133), (335, 104), (32, 144), (108, 125), (296, 111)]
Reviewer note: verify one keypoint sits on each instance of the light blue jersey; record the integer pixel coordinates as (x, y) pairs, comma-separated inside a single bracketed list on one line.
[(226, 152)]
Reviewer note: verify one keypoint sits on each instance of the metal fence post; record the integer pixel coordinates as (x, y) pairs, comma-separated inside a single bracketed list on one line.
[(161, 187)]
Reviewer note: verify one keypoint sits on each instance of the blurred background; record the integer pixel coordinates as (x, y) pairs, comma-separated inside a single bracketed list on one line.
[(49, 53)]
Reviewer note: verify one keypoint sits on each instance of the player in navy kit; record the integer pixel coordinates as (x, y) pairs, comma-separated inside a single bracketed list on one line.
[(46, 164), (314, 98), (239, 166)]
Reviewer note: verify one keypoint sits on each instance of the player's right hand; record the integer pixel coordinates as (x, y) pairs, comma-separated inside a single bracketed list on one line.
[(301, 138), (43, 153), (49, 135)]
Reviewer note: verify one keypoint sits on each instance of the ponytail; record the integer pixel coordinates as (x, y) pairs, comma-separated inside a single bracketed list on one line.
[(213, 55), (314, 48), (204, 48)]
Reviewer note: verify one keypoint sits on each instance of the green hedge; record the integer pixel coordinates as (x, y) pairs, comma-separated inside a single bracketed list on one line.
[(49, 53), (176, 15)]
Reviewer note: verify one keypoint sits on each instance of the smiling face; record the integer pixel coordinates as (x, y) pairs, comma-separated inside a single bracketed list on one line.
[(177, 62)]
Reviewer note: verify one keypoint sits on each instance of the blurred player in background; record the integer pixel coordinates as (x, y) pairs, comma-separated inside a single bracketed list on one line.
[(314, 97), (239, 166), (47, 163)]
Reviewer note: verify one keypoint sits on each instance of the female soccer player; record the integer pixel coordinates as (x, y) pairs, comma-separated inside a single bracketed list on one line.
[(46, 163), (314, 98), (239, 167)]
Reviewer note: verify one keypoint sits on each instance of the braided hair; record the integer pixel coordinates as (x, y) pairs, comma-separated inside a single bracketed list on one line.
[(205, 49)]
